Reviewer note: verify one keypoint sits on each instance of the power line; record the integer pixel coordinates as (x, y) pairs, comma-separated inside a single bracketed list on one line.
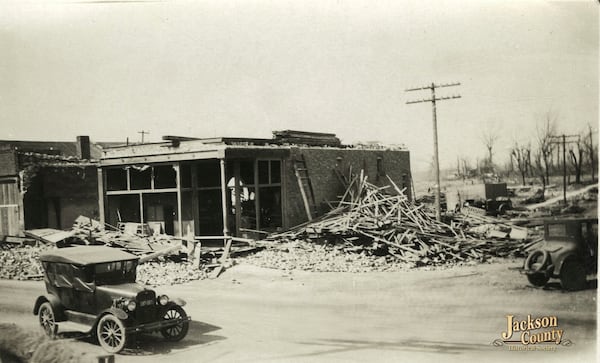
[(436, 161)]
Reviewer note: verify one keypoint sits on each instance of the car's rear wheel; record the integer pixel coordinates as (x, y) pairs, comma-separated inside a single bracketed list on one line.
[(111, 334), (47, 320), (179, 331), (572, 275)]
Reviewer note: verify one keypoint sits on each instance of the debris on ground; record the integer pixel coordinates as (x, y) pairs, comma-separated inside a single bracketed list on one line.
[(131, 237), (369, 221), (21, 262), (169, 273)]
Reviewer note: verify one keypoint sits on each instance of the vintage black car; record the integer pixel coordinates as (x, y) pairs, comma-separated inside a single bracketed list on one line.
[(569, 252), (94, 287)]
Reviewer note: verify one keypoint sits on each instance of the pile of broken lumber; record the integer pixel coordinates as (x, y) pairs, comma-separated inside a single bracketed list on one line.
[(147, 246), (376, 220)]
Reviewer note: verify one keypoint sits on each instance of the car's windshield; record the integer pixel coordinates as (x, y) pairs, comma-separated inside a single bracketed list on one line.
[(115, 272)]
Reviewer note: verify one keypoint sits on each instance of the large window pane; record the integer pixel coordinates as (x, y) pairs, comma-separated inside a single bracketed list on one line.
[(123, 208), (164, 177), (160, 212), (186, 175), (140, 178), (263, 172), (116, 179), (247, 172), (270, 208), (275, 171), (210, 212), (209, 173), (248, 204)]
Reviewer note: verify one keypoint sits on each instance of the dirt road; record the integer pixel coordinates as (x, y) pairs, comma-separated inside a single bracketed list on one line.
[(251, 314)]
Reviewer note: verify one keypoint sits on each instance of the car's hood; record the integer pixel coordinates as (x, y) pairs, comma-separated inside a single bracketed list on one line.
[(129, 290)]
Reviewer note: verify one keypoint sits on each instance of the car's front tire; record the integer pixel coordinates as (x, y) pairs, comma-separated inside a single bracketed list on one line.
[(47, 319), (176, 332), (110, 332)]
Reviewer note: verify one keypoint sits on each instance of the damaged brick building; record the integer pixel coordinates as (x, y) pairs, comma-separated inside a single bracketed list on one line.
[(47, 184), (236, 186)]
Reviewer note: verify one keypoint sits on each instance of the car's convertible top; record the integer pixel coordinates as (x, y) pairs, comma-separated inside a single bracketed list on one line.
[(86, 255)]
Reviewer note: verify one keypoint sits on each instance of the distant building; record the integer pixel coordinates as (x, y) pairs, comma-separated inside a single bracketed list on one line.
[(237, 186)]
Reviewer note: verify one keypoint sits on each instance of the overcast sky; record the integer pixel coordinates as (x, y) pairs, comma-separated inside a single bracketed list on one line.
[(109, 69)]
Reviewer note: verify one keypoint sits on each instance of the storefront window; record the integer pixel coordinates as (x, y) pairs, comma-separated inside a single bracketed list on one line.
[(116, 179)]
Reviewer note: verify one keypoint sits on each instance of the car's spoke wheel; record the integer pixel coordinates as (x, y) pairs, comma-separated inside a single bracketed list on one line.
[(175, 332), (47, 320), (572, 275), (111, 334)]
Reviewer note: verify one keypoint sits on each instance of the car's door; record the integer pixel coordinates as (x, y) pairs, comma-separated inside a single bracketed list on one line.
[(84, 289), (63, 278)]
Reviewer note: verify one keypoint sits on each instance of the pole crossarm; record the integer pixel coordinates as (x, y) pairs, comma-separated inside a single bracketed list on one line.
[(559, 139), (435, 99), (433, 85)]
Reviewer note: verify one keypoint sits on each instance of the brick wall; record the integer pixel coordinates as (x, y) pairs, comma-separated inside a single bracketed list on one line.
[(58, 195), (8, 163), (321, 164)]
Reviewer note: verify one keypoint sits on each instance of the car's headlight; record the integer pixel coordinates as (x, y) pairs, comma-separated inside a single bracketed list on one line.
[(163, 299), (131, 305)]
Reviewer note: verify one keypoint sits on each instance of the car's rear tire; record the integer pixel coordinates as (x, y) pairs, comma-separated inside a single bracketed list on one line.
[(572, 275), (176, 332), (110, 332), (47, 319), (538, 279)]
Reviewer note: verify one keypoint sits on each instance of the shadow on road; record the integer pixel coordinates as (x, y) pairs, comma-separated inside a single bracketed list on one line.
[(555, 286), (154, 343), (335, 346), (150, 344)]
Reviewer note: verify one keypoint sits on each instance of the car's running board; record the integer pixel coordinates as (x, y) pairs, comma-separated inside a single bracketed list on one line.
[(70, 326)]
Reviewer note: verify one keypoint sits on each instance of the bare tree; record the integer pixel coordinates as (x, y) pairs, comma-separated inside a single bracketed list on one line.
[(489, 138), (464, 167), (576, 152), (590, 150), (545, 131), (521, 154), (540, 169)]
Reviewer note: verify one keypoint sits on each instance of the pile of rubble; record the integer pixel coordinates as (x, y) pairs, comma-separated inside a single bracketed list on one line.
[(21, 262), (370, 228), (302, 255), (160, 273), (160, 262)]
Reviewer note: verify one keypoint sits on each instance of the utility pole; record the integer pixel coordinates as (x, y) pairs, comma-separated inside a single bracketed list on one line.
[(143, 133), (436, 160), (563, 139)]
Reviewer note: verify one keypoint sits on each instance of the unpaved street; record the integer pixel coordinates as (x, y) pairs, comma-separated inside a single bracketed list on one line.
[(251, 314)]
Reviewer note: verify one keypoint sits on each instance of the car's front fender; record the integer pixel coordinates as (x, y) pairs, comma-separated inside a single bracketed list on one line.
[(119, 313), (561, 260), (178, 301)]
